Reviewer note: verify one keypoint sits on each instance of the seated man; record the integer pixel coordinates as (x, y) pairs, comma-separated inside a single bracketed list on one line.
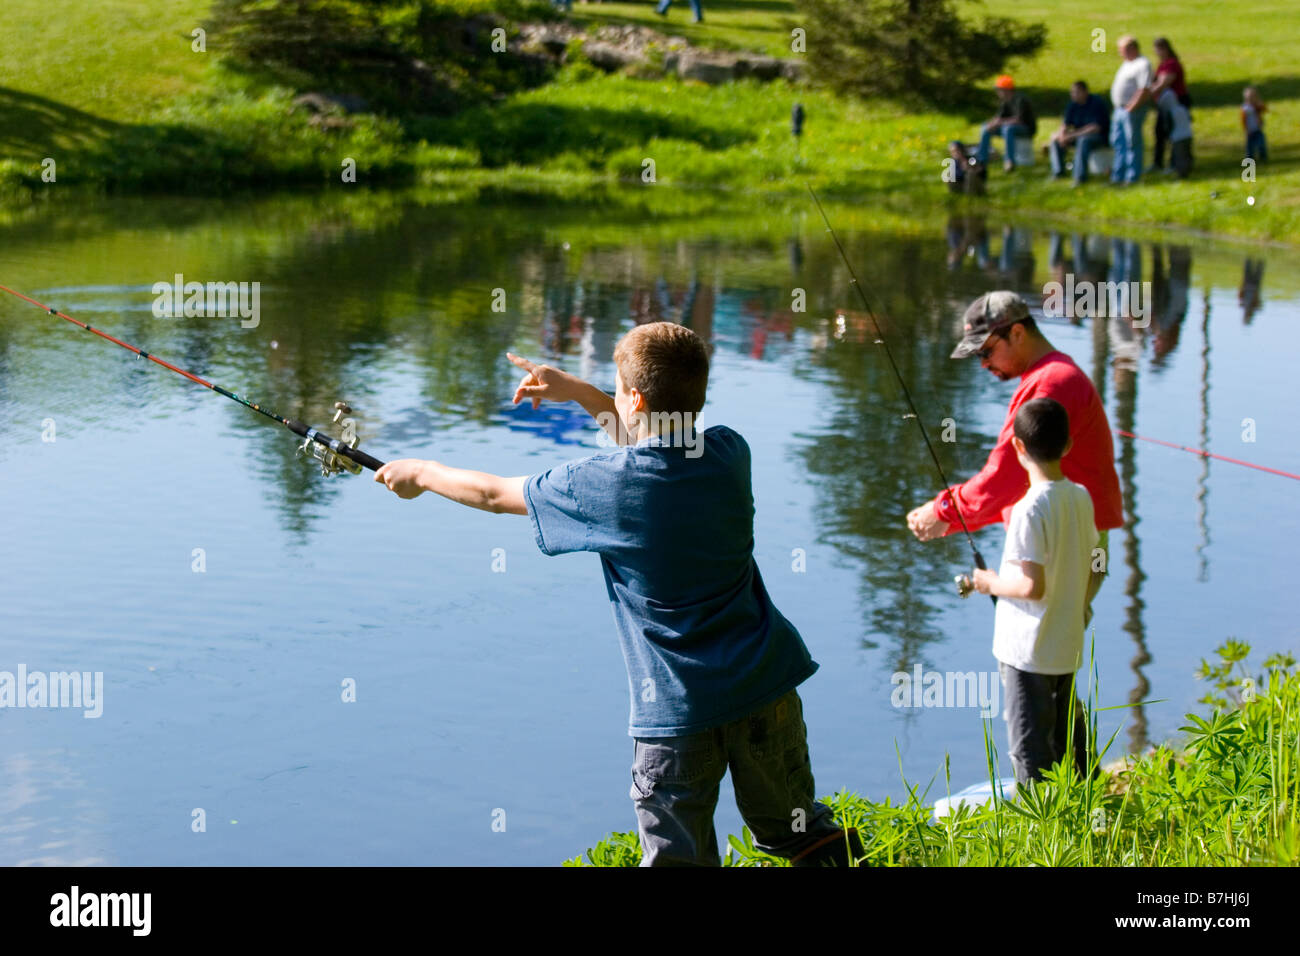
[(1086, 126), (1015, 119)]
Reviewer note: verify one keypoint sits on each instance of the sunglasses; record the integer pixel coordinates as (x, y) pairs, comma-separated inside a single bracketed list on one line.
[(987, 351)]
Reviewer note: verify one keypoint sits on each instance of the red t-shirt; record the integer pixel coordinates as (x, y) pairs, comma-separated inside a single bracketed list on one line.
[(989, 495), (1179, 85)]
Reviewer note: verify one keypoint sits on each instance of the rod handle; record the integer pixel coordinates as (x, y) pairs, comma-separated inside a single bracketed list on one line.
[(979, 563)]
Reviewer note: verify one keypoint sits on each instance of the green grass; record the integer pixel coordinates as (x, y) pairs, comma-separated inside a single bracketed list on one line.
[(114, 91), (71, 71), (1228, 797)]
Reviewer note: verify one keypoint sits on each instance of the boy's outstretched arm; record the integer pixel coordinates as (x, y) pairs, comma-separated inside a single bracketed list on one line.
[(1031, 585), (548, 382), (411, 477)]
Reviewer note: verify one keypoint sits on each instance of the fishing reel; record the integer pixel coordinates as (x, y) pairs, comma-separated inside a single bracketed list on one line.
[(965, 586), (331, 462)]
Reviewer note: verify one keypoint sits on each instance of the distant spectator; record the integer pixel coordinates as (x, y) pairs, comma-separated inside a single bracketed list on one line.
[(969, 173), (1015, 118), (1086, 127), (1252, 120), (1169, 76), (697, 10), (1179, 121), (1127, 96)]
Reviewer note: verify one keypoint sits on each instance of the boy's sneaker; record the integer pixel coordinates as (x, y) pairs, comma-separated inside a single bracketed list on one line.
[(834, 850)]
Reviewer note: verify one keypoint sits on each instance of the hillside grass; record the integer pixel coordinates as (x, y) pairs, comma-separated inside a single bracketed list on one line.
[(114, 92)]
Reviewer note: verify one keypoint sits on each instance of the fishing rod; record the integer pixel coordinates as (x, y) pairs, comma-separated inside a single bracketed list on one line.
[(962, 582), (334, 454), (1209, 454)]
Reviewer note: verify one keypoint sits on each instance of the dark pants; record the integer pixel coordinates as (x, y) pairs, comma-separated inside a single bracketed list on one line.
[(1040, 710), (675, 786), (1256, 146)]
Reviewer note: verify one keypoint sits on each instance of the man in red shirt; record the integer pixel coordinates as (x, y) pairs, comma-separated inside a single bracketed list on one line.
[(999, 329)]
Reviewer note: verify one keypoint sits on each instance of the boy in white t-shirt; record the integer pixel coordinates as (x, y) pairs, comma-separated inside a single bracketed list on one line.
[(1044, 585)]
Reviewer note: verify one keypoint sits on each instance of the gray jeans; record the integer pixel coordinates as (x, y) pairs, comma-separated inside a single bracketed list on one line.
[(675, 787), (1040, 709)]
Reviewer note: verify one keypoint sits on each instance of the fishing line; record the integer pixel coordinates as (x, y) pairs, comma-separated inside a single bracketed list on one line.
[(902, 384), (323, 447), (1207, 454)]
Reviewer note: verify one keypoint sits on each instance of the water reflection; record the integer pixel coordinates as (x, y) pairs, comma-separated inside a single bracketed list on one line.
[(358, 302)]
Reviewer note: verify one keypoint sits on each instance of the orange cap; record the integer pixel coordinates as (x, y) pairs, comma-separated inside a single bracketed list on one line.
[(1005, 82)]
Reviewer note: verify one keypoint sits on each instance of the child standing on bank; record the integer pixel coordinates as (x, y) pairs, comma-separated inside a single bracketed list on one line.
[(1044, 584), (1252, 121), (712, 664)]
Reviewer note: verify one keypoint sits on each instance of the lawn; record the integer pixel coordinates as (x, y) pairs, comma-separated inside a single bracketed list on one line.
[(71, 71), (117, 86)]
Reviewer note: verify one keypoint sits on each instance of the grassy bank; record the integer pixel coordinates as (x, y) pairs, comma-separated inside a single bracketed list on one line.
[(116, 95), (1226, 797)]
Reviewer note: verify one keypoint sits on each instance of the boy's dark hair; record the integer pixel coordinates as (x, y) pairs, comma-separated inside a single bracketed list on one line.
[(1082, 84), (1043, 425), (667, 363)]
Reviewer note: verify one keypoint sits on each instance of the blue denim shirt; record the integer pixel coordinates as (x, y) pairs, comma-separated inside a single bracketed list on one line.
[(674, 528)]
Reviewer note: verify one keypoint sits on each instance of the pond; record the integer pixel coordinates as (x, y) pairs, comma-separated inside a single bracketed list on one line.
[(232, 597)]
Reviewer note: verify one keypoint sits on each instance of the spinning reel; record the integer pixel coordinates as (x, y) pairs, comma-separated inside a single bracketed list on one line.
[(322, 447)]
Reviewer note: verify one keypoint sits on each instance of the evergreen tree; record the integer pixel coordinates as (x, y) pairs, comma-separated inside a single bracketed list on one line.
[(913, 50)]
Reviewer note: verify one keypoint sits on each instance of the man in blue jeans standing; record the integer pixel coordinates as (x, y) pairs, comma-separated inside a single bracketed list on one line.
[(1085, 127), (1015, 119), (1131, 79)]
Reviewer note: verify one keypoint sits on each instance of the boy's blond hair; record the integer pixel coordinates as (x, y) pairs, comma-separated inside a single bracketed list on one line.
[(668, 364)]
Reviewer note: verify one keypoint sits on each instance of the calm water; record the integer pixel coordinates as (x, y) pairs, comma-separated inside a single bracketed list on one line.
[(478, 690)]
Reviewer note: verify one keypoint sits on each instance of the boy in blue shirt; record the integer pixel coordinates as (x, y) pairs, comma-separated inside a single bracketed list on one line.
[(712, 664)]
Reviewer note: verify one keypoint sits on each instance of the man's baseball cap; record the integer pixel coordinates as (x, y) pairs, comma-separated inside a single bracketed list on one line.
[(991, 312), (1005, 82)]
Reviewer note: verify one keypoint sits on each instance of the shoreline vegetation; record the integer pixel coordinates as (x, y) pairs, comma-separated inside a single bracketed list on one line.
[(1226, 797), (202, 123)]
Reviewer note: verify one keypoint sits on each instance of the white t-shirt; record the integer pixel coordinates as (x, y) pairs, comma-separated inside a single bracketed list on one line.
[(1178, 113), (1132, 75), (1051, 525)]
